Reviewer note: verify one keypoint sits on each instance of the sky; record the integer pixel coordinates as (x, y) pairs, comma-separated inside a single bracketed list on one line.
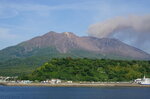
[(22, 20)]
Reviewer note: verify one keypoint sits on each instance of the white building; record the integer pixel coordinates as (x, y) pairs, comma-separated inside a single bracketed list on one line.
[(70, 82), (138, 81), (143, 81), (55, 81), (25, 81)]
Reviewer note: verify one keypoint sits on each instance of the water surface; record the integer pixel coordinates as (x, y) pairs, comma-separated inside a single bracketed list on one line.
[(74, 93)]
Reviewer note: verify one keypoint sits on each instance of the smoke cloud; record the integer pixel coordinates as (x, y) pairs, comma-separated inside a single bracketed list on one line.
[(134, 30)]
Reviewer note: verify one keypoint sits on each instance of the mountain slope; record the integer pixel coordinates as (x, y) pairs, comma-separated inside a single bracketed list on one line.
[(34, 52), (68, 43)]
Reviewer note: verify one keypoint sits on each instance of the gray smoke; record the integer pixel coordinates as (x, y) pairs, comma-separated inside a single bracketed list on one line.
[(134, 30)]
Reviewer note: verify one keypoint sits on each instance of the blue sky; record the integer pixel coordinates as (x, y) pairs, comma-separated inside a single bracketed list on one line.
[(23, 19)]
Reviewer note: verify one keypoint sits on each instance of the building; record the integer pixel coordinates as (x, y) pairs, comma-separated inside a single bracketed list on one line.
[(143, 81), (55, 81), (70, 82), (52, 81), (138, 81), (25, 81)]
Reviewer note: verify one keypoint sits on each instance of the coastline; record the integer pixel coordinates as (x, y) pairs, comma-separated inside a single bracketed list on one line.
[(76, 85)]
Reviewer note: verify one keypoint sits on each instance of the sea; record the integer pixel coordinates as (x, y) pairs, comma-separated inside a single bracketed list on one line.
[(11, 92)]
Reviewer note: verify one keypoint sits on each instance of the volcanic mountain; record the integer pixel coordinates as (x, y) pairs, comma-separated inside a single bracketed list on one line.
[(68, 43), (40, 49)]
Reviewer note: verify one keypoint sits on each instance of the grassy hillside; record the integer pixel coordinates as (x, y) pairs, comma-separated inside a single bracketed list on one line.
[(18, 61), (23, 63)]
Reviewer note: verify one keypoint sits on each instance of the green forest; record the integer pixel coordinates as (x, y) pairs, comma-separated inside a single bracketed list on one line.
[(84, 69)]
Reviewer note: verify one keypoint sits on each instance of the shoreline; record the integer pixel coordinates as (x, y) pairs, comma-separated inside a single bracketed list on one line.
[(76, 85)]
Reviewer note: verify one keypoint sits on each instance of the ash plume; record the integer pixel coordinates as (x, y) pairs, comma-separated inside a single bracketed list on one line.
[(134, 30)]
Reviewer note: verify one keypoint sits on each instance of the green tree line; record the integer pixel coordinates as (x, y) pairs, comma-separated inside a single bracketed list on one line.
[(84, 69)]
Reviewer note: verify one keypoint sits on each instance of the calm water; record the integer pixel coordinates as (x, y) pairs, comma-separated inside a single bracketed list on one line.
[(73, 93)]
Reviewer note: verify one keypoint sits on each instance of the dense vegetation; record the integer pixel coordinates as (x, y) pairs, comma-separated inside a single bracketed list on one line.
[(83, 69)]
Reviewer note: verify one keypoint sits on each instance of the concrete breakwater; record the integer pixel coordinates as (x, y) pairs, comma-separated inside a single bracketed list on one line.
[(77, 85)]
